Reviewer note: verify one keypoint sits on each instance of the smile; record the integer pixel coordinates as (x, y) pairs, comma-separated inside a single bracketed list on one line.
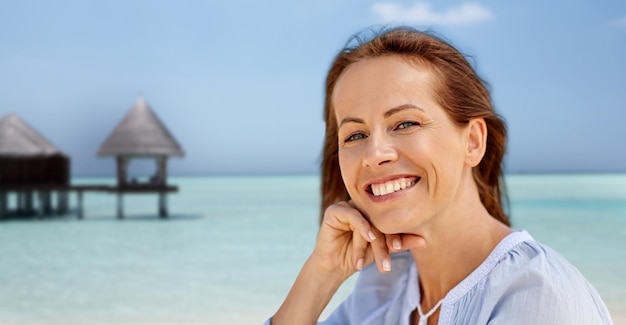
[(393, 186)]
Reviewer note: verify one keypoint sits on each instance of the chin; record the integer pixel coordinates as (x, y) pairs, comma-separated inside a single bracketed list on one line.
[(387, 225)]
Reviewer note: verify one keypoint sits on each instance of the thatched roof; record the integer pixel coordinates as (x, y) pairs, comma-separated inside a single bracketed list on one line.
[(140, 133), (18, 139)]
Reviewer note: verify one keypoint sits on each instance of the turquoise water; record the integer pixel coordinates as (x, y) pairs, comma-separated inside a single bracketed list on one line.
[(233, 245)]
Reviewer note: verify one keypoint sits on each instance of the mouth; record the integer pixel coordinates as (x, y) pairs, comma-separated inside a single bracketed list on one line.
[(392, 186)]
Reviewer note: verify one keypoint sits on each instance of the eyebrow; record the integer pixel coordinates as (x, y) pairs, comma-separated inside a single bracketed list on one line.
[(400, 109), (387, 114), (350, 119)]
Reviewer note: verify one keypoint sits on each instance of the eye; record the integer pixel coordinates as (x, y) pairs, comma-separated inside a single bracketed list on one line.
[(354, 137), (406, 125)]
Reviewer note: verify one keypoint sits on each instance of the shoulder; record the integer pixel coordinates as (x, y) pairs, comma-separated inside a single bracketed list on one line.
[(536, 265), (531, 283)]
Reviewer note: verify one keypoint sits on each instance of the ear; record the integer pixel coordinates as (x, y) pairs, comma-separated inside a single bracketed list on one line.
[(476, 141)]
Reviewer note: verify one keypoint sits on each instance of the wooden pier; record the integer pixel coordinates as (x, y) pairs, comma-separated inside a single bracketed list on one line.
[(28, 195)]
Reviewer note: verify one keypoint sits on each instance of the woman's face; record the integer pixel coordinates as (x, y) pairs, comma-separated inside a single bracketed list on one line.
[(400, 154)]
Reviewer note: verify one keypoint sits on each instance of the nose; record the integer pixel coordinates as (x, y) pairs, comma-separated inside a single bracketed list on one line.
[(380, 150)]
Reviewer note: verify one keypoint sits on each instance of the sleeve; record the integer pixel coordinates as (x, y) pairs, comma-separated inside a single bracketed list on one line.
[(338, 317)]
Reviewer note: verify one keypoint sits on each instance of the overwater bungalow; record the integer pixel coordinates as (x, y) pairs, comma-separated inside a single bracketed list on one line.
[(30, 166), (141, 135)]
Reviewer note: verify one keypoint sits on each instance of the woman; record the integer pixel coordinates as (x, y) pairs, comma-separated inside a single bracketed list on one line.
[(411, 191)]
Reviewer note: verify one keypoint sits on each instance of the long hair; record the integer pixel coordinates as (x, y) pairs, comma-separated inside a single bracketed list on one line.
[(457, 88)]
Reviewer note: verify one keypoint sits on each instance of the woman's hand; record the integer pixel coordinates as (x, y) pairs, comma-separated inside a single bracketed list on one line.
[(347, 242)]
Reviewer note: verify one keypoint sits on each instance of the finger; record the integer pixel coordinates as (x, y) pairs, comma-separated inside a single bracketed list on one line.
[(359, 249), (411, 241), (380, 252), (394, 242), (342, 216)]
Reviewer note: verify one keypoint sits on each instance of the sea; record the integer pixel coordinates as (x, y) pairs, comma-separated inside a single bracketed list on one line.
[(233, 245)]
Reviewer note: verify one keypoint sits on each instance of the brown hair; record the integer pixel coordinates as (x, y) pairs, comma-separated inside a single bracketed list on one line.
[(458, 89)]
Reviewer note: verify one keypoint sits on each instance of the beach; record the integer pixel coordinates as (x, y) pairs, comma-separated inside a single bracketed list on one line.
[(232, 247)]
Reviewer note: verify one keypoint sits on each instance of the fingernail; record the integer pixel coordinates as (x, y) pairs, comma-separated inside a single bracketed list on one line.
[(396, 244), (386, 265), (371, 235), (359, 264)]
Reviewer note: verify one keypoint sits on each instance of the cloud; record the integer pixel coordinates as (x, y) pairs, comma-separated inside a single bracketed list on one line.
[(620, 22), (422, 13)]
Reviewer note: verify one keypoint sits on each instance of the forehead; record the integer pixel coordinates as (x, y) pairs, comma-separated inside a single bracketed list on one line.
[(383, 82)]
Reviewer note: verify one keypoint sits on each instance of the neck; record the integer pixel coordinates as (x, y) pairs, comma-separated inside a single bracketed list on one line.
[(456, 244)]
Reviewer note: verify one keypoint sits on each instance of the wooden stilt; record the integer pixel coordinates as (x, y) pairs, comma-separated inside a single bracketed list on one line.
[(120, 208), (19, 196), (18, 203), (163, 204), (28, 203), (42, 204), (3, 204), (47, 203), (62, 202), (80, 205), (162, 169)]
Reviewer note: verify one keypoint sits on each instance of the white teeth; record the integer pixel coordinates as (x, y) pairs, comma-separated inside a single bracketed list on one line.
[(392, 186)]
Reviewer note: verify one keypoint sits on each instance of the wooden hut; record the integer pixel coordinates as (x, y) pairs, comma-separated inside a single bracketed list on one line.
[(30, 164), (141, 135)]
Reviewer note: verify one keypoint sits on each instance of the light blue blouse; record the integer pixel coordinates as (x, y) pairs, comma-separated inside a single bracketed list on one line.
[(520, 282)]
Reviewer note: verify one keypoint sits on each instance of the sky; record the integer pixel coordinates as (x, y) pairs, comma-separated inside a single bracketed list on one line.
[(240, 83)]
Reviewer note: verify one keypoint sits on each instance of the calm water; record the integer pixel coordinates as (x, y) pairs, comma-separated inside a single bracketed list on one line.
[(233, 245)]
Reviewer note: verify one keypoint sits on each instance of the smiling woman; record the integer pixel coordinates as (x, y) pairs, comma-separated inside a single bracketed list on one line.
[(411, 199)]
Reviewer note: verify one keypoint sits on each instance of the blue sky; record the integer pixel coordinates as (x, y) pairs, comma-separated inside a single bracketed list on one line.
[(240, 83)]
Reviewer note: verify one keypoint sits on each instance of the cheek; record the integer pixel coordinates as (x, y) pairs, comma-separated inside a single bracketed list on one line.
[(449, 164), (444, 148), (348, 163)]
